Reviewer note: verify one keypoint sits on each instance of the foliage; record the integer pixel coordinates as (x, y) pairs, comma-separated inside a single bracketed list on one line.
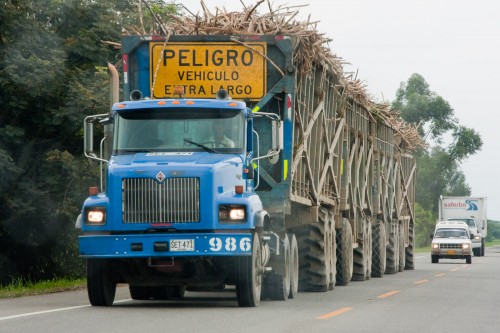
[(438, 171), (425, 223), (493, 231), (51, 55)]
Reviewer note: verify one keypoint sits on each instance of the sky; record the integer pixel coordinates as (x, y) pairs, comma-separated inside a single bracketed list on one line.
[(453, 44)]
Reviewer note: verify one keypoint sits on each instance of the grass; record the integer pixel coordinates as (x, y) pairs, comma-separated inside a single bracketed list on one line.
[(27, 288)]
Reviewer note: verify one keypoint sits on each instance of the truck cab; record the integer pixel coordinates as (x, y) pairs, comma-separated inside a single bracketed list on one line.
[(451, 240), (473, 230)]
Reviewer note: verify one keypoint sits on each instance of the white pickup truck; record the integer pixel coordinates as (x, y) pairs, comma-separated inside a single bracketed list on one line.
[(451, 240)]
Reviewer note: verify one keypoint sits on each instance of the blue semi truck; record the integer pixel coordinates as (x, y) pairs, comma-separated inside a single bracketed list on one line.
[(229, 166)]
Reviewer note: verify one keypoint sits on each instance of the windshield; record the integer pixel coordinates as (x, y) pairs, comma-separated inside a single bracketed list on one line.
[(470, 222), (451, 233), (179, 130)]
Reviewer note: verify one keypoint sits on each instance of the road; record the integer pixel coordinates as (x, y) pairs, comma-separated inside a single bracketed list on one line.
[(447, 297)]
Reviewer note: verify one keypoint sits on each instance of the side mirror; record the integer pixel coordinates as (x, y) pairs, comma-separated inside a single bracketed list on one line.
[(471, 236), (88, 132), (431, 235)]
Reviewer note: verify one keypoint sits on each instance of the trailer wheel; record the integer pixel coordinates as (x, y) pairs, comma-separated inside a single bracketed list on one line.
[(276, 286), (362, 255), (344, 254), (378, 249), (315, 242), (410, 250), (392, 255), (249, 276), (101, 285), (402, 253), (294, 266)]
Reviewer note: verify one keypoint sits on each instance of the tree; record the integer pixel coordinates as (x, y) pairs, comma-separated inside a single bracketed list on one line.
[(438, 170), (51, 55)]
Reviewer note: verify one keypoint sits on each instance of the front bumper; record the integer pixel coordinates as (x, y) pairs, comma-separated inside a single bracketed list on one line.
[(165, 245)]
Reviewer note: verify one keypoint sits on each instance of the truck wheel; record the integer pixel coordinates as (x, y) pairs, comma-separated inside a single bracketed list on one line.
[(101, 286), (315, 251), (434, 259), (410, 250), (363, 255), (392, 255), (249, 276), (468, 259), (402, 254), (482, 247), (294, 266), (378, 249), (277, 286), (344, 254)]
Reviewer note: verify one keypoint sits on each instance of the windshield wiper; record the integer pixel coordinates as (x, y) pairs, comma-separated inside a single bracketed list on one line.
[(202, 146)]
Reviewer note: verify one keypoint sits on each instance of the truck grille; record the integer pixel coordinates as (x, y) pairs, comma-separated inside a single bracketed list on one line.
[(175, 200), (450, 246)]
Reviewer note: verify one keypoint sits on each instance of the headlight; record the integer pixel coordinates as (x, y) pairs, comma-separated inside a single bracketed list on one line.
[(477, 237), (232, 213), (435, 246), (465, 246), (95, 215)]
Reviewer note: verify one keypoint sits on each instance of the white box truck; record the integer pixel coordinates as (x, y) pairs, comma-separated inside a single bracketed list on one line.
[(471, 210)]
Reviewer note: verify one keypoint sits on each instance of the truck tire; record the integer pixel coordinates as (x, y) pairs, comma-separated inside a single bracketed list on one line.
[(101, 285), (315, 249), (468, 259), (344, 254), (294, 266), (378, 249), (482, 247), (277, 286), (402, 253), (410, 250), (249, 276), (362, 255), (392, 255), (434, 259)]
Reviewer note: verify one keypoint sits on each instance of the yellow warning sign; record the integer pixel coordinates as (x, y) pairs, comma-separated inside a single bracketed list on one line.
[(204, 68)]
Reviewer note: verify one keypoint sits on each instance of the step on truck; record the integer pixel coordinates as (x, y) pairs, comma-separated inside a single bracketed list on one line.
[(471, 210), (306, 187)]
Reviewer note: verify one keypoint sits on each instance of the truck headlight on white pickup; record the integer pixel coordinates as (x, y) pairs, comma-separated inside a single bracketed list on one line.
[(435, 246), (232, 213), (95, 216), (465, 246)]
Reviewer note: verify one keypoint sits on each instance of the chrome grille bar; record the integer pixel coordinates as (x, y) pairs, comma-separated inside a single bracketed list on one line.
[(175, 200)]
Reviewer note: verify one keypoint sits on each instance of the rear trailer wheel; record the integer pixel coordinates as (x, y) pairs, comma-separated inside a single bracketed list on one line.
[(392, 254), (249, 276), (363, 255), (101, 285), (344, 254), (378, 249), (294, 266), (276, 286), (410, 249), (402, 253)]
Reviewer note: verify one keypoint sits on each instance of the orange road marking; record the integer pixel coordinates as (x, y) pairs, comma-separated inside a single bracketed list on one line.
[(421, 281), (439, 275), (454, 269), (390, 293), (334, 313)]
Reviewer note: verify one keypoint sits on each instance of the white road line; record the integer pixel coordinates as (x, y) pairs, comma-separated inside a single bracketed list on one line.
[(54, 310)]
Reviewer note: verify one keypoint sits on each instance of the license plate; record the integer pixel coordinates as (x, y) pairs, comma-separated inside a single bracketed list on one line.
[(452, 252), (179, 245)]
